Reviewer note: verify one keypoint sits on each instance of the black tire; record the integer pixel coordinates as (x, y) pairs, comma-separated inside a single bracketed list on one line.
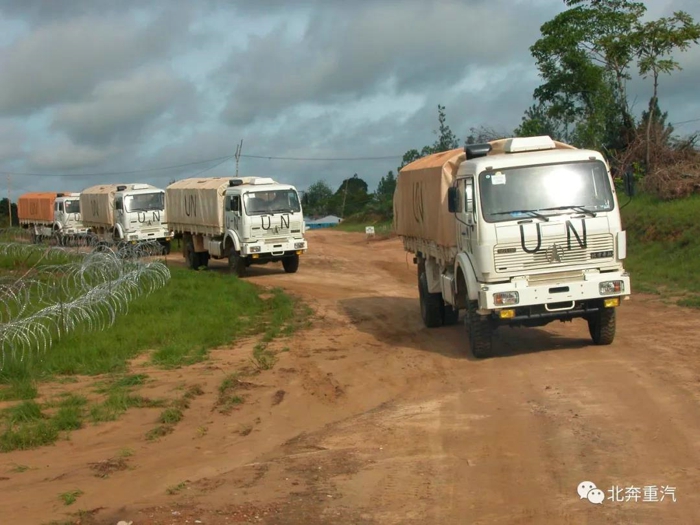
[(450, 315), (480, 331), (602, 326), (291, 264), (191, 256), (236, 263), (431, 304)]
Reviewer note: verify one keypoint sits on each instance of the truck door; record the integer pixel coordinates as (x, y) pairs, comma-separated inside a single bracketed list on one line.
[(467, 224), (233, 213)]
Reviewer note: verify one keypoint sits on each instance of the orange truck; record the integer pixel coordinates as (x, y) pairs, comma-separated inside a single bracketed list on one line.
[(51, 214)]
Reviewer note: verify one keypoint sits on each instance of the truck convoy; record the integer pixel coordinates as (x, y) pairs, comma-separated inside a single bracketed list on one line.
[(51, 216), (126, 213), (249, 220), (518, 232)]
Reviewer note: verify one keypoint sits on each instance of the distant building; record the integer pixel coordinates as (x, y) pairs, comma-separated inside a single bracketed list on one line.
[(324, 222)]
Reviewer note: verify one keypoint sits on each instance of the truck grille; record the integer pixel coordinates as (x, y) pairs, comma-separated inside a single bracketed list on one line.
[(510, 257)]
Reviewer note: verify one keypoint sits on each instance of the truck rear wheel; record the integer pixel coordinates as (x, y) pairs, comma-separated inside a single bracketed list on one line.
[(236, 263), (480, 331), (602, 326), (291, 264), (191, 256), (450, 315), (431, 304)]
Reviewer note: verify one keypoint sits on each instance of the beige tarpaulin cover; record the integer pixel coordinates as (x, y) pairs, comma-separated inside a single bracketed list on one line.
[(36, 207), (196, 202), (420, 198), (97, 204)]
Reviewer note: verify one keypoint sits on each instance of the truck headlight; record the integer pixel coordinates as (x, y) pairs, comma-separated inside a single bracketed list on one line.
[(254, 249), (506, 298), (133, 237), (298, 245), (610, 287)]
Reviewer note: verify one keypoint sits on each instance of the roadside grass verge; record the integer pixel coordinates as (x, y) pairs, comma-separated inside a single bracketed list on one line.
[(352, 224), (178, 325), (195, 312), (663, 247)]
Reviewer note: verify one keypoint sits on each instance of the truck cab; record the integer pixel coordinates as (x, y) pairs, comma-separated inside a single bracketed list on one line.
[(139, 215), (539, 239), (265, 220), (67, 218)]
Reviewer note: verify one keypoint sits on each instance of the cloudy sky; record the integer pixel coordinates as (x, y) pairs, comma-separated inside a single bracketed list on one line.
[(101, 87)]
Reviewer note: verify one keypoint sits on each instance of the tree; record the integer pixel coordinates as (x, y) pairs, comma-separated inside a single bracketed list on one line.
[(4, 213), (446, 141), (316, 198), (583, 57), (350, 198), (383, 198), (654, 43), (483, 134), (537, 122)]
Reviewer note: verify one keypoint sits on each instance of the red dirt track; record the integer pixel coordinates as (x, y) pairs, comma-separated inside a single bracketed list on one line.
[(370, 418)]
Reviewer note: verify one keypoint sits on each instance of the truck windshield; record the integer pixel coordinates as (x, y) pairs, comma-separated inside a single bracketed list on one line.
[(537, 191), (278, 201), (72, 206), (144, 202)]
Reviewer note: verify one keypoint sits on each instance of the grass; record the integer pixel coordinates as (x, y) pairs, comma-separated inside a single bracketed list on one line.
[(196, 311), (663, 247), (357, 224), (175, 488), (70, 497), (172, 415), (228, 398)]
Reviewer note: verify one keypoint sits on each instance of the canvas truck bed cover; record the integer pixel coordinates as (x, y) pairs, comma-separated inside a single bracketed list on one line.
[(196, 203), (36, 207), (97, 205), (420, 198)]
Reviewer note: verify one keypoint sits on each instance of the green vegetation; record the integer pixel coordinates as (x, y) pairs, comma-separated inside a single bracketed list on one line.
[(664, 247), (180, 323), (70, 497), (177, 326)]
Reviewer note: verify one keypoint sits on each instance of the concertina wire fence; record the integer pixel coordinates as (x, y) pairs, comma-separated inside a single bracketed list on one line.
[(68, 289)]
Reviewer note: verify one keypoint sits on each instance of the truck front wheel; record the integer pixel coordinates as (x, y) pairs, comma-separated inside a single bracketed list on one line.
[(602, 326), (291, 264), (431, 305), (236, 263), (480, 331)]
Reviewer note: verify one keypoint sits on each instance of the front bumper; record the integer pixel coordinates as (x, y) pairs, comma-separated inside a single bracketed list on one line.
[(148, 236), (553, 296), (278, 249)]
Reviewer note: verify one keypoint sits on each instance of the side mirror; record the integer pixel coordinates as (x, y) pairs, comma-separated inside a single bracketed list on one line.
[(628, 179), (452, 199)]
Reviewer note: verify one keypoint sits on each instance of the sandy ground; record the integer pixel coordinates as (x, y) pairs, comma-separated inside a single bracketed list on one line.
[(370, 418)]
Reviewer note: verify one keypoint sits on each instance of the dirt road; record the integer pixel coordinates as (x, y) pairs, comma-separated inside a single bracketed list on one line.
[(372, 418)]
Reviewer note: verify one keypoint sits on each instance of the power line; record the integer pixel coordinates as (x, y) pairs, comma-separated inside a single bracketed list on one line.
[(684, 122), (322, 159)]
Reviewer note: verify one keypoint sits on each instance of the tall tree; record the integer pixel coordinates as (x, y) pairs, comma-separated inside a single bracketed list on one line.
[(446, 141), (655, 41), (316, 198), (583, 57)]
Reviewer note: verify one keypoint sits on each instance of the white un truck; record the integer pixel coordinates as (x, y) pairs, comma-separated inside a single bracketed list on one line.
[(51, 215), (126, 213), (248, 220), (519, 232)]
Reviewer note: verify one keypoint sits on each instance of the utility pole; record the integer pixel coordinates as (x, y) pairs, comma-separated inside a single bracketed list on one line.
[(9, 199), (239, 147), (345, 195)]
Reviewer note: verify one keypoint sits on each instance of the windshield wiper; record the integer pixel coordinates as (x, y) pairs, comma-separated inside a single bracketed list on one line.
[(581, 209), (533, 212)]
